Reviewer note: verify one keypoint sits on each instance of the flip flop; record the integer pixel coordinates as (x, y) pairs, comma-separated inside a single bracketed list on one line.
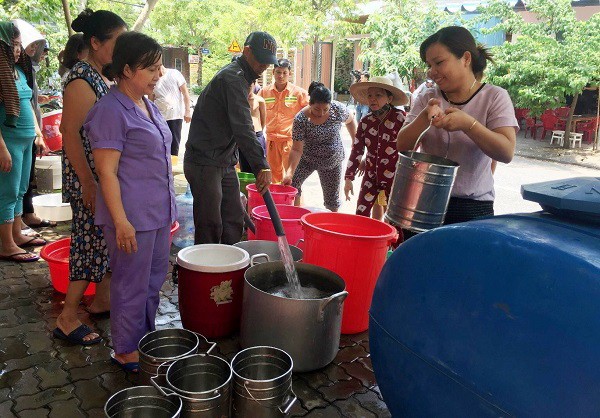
[(131, 367), (44, 223), (15, 257), (34, 242), (77, 335)]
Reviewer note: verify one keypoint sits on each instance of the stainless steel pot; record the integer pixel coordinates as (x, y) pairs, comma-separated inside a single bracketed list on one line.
[(307, 329), (143, 401), (203, 382), (268, 248), (166, 345)]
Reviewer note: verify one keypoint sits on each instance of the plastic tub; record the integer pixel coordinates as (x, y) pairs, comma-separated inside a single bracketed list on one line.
[(50, 129), (290, 219), (211, 282), (174, 229), (282, 195), (50, 206), (355, 247), (56, 255)]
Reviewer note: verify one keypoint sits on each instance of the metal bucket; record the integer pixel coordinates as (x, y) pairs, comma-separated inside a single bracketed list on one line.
[(142, 401), (164, 346), (262, 384), (421, 191), (261, 251), (203, 382)]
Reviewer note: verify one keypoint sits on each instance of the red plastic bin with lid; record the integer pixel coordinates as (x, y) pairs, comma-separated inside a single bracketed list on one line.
[(355, 247), (211, 282), (290, 219), (282, 195)]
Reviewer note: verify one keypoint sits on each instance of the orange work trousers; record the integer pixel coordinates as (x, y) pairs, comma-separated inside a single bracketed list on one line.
[(278, 157)]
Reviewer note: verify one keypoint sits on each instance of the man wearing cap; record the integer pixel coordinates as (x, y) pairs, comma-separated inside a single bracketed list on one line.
[(221, 123), (284, 100)]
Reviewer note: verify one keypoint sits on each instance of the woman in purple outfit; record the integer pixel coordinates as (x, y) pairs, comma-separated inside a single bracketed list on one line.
[(131, 143), (473, 123)]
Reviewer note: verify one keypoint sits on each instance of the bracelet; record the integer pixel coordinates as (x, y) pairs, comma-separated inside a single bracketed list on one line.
[(265, 170), (473, 124)]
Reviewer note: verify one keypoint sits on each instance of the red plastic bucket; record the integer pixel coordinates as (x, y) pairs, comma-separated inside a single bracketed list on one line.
[(174, 228), (290, 218), (211, 282), (56, 255), (282, 195), (50, 125), (355, 247)]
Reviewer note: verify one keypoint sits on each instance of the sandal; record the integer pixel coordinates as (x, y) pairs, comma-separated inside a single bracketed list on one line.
[(34, 242), (77, 335), (44, 223), (18, 257), (131, 367)]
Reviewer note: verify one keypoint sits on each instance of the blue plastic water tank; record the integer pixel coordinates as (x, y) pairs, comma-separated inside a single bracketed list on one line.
[(495, 317)]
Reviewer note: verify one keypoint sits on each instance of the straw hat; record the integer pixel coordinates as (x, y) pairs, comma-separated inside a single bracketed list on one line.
[(359, 90)]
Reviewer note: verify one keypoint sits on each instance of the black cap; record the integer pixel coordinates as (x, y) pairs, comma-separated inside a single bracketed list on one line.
[(264, 47)]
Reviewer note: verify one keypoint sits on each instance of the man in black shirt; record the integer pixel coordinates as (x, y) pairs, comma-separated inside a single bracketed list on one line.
[(220, 124)]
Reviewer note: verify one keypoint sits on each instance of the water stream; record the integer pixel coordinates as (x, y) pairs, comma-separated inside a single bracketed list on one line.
[(295, 290)]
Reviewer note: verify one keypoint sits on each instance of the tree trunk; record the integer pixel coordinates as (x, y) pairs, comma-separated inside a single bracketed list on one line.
[(145, 13), (566, 142), (200, 62), (315, 76), (67, 12)]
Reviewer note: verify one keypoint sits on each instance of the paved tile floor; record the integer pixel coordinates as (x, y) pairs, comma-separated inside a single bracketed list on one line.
[(44, 377)]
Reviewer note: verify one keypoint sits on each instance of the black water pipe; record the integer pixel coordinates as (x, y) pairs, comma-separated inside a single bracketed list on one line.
[(274, 214)]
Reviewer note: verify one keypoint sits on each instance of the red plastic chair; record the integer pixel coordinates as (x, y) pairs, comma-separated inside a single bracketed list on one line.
[(532, 126), (587, 129), (549, 123), (521, 114), (562, 112)]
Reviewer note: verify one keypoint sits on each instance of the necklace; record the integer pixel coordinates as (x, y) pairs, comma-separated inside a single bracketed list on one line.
[(460, 103)]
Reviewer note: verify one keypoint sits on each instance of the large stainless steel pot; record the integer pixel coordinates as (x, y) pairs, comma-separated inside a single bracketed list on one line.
[(143, 401), (307, 329)]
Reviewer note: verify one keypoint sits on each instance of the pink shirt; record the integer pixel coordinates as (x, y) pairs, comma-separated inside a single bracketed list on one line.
[(492, 107)]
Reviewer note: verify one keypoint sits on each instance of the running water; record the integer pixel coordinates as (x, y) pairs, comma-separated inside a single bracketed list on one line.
[(295, 291), (306, 292)]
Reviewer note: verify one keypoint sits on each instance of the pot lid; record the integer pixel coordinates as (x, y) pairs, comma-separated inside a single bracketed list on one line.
[(213, 258), (577, 197)]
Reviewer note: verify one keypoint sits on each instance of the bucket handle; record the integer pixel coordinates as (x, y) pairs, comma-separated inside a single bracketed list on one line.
[(300, 241), (162, 389), (340, 295), (212, 344), (291, 399), (255, 256)]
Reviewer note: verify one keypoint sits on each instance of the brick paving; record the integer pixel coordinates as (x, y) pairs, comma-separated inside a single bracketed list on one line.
[(44, 377)]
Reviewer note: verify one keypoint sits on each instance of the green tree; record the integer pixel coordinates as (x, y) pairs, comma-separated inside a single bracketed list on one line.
[(548, 60), (201, 24), (397, 31), (295, 22)]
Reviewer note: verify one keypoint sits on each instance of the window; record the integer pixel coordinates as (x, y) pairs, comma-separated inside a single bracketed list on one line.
[(178, 64)]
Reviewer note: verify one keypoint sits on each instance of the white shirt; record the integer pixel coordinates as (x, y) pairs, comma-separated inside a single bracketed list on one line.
[(169, 98)]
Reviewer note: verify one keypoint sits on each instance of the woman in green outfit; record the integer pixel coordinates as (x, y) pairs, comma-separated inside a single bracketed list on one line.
[(18, 128)]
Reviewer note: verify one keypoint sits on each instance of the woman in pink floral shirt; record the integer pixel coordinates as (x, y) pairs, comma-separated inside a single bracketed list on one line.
[(377, 132)]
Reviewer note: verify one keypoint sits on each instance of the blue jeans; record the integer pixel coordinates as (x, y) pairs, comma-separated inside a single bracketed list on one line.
[(361, 110)]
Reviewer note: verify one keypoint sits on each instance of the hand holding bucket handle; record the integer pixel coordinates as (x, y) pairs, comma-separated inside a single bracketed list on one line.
[(340, 296), (255, 256), (291, 399)]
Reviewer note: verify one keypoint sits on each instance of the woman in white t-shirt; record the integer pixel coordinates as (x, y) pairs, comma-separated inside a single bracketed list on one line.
[(473, 123), (172, 98)]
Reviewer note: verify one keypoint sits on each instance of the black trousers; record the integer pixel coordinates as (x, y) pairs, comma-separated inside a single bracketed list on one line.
[(218, 211), (28, 196), (175, 127)]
